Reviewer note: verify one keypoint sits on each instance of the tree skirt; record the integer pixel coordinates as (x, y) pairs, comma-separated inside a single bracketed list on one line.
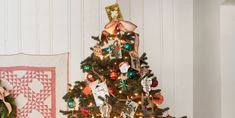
[(36, 82)]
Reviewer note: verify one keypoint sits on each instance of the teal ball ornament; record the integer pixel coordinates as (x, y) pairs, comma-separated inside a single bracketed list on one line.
[(71, 103), (127, 46), (131, 74), (87, 67)]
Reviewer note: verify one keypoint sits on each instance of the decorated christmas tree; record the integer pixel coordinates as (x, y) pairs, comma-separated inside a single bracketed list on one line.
[(119, 83)]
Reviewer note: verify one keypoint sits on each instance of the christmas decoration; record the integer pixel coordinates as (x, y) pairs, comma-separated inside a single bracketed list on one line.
[(90, 77), (124, 66), (113, 75), (146, 83), (71, 103), (7, 105), (87, 91), (158, 98), (105, 110), (121, 82), (114, 12), (85, 112), (127, 46), (132, 74), (87, 67)]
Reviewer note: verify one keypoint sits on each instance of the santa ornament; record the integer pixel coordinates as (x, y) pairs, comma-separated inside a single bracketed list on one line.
[(124, 66)]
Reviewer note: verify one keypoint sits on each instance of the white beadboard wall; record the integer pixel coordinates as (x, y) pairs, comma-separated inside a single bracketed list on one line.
[(57, 26)]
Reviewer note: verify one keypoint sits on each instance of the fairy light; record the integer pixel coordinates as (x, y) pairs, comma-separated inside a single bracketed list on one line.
[(90, 104), (131, 97), (81, 87), (120, 91), (139, 102), (136, 94)]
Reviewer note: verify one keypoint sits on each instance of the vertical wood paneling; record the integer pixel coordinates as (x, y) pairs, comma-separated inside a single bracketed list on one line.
[(19, 32), (60, 22), (28, 26), (76, 40), (183, 58), (168, 56), (11, 42), (1, 28), (91, 24), (43, 22)]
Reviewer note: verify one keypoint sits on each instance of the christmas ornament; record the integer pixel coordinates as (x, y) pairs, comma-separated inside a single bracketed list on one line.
[(87, 91), (71, 104), (158, 98), (123, 84), (132, 106), (90, 77), (131, 74), (115, 50), (85, 112), (146, 84), (99, 90), (124, 66), (106, 50), (87, 67), (144, 70), (135, 61), (113, 75), (127, 46), (154, 83), (97, 51), (111, 91), (113, 12), (105, 110)]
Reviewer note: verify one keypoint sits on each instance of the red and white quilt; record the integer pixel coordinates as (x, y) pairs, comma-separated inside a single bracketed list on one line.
[(36, 82)]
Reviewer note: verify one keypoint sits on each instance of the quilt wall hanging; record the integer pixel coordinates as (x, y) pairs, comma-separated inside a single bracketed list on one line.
[(37, 82)]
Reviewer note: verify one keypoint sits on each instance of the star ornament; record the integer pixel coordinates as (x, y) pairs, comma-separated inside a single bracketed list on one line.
[(123, 84)]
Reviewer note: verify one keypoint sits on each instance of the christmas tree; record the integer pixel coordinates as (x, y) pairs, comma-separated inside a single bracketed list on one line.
[(119, 83)]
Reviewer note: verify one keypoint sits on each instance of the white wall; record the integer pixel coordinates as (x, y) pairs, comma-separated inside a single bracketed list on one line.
[(56, 26), (227, 23), (207, 77)]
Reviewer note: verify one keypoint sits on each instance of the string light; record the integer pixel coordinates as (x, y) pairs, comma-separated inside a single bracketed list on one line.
[(81, 87), (120, 91), (139, 102), (90, 104), (136, 94)]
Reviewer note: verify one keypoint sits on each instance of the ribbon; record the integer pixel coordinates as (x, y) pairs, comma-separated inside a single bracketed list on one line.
[(3, 94), (124, 26)]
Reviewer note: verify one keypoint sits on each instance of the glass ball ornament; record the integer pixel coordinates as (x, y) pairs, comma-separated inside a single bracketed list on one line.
[(90, 77), (127, 46), (87, 67), (71, 103), (131, 74)]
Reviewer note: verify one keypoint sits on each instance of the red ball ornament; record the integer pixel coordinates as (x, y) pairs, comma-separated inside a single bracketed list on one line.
[(113, 75), (154, 83), (111, 91), (87, 91), (158, 98), (85, 112), (90, 77)]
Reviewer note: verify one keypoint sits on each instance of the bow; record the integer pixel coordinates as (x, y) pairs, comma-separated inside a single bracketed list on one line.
[(3, 94), (124, 26)]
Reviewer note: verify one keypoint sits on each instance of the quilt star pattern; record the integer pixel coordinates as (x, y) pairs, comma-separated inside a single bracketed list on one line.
[(32, 87), (37, 82)]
